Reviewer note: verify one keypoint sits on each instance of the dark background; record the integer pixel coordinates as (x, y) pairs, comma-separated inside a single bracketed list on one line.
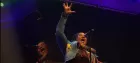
[(115, 33)]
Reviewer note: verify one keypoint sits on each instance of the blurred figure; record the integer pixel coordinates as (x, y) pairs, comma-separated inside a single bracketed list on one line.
[(42, 50)]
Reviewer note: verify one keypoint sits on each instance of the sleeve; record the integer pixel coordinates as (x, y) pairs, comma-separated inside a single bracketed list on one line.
[(61, 39)]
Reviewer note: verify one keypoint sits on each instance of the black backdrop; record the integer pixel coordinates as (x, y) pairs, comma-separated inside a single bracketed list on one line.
[(113, 37)]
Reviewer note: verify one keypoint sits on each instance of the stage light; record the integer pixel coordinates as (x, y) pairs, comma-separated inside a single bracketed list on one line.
[(1, 4)]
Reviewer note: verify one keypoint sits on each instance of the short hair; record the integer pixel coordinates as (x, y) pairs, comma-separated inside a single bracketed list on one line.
[(37, 42), (44, 42), (75, 36)]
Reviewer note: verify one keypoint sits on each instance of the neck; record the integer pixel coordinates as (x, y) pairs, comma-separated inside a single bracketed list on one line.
[(80, 46)]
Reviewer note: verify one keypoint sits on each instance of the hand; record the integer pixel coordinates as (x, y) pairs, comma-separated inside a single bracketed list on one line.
[(67, 9)]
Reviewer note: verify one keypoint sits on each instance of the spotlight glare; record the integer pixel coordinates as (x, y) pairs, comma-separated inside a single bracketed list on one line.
[(1, 4)]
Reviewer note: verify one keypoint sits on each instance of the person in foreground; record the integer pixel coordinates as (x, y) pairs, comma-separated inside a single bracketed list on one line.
[(75, 51), (42, 50)]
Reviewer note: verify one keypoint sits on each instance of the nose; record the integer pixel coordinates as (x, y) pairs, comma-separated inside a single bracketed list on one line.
[(83, 37)]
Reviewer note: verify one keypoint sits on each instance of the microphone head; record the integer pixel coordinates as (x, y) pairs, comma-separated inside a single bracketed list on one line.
[(89, 31), (35, 45), (31, 45), (39, 18), (92, 29)]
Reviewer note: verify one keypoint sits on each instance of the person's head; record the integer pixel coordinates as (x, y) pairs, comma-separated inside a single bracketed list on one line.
[(81, 38), (42, 48)]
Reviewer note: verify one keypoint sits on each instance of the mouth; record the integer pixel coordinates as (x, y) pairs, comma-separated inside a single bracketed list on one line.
[(42, 49), (82, 40)]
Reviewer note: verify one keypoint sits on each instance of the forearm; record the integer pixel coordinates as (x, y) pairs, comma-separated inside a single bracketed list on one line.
[(60, 36), (61, 24), (61, 27)]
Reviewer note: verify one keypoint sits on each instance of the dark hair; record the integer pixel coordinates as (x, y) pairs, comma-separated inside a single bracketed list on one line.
[(75, 36), (38, 41), (42, 41)]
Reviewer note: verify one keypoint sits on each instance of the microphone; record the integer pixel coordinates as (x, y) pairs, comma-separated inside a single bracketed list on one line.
[(31, 45), (34, 45), (89, 31), (39, 18)]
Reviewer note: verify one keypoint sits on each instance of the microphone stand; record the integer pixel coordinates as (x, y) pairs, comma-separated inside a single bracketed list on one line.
[(89, 37), (90, 55)]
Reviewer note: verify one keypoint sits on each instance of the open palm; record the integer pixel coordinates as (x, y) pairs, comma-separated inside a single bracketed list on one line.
[(67, 8)]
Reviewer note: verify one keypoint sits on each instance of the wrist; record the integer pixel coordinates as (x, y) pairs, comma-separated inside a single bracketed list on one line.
[(64, 14)]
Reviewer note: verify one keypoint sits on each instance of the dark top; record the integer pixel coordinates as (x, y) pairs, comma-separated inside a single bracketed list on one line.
[(81, 57)]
